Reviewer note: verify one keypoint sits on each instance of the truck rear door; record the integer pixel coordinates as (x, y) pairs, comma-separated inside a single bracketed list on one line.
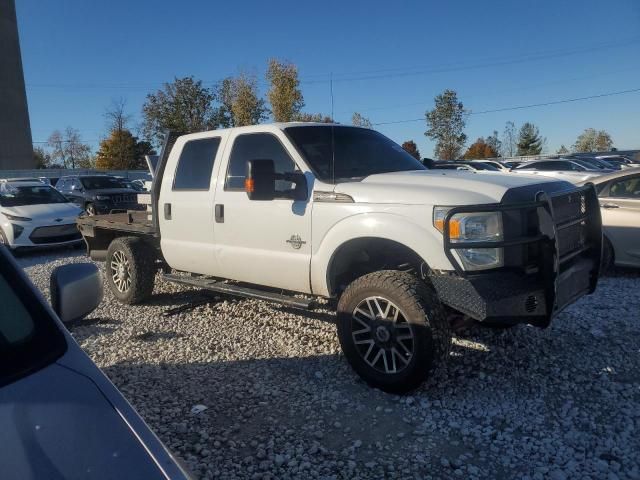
[(261, 242), (185, 207)]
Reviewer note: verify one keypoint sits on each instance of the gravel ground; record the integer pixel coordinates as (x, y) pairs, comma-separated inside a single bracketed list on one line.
[(283, 403)]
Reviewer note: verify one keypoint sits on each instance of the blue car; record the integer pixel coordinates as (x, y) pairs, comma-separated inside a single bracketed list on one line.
[(60, 416)]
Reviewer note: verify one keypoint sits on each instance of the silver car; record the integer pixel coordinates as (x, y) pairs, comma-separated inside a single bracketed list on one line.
[(60, 416), (619, 195)]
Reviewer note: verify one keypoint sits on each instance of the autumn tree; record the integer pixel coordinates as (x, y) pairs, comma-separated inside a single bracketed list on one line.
[(284, 94), (360, 121), (592, 140), (509, 140), (411, 148), (446, 124), (122, 151), (529, 140), (69, 150), (183, 105), (480, 149)]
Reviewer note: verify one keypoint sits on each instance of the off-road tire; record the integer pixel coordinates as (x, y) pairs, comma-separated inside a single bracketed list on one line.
[(421, 308), (608, 256), (141, 269)]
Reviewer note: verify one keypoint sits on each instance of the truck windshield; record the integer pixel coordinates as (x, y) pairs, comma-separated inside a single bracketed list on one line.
[(12, 195), (97, 183), (29, 337), (358, 152)]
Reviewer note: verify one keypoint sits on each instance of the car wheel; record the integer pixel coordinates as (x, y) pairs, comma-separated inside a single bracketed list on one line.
[(90, 209), (608, 256), (131, 269), (392, 330)]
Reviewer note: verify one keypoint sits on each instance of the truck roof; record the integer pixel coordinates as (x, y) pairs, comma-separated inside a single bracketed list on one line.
[(262, 127)]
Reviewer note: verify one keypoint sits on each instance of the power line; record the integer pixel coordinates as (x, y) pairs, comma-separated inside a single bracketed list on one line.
[(522, 107)]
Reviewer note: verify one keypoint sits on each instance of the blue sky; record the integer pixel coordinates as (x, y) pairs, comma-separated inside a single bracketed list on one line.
[(389, 59)]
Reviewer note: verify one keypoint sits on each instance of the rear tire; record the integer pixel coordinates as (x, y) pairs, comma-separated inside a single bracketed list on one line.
[(392, 330), (608, 256), (131, 269)]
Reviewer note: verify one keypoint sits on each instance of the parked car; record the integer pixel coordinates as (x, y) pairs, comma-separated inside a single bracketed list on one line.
[(494, 163), (392, 242), (465, 165), (561, 169), (21, 179), (619, 195), (33, 214), (98, 194), (60, 416)]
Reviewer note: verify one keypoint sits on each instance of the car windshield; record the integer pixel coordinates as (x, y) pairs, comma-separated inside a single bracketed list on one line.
[(98, 183), (29, 338), (20, 195), (337, 153)]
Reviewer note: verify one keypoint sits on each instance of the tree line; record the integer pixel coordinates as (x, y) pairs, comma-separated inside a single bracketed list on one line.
[(187, 105), (447, 120)]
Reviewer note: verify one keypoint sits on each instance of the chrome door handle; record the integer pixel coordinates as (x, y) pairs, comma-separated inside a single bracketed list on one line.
[(610, 205)]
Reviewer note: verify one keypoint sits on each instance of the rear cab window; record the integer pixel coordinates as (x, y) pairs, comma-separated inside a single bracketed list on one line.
[(195, 164), (30, 338)]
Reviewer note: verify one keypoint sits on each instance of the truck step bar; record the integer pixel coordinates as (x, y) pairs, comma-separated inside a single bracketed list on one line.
[(238, 291)]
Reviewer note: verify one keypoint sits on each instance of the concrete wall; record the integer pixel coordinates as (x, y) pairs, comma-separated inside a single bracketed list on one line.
[(16, 149)]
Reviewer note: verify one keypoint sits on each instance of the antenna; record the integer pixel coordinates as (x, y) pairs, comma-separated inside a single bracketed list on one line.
[(333, 140)]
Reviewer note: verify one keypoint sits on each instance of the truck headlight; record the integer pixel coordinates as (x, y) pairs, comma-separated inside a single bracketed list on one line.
[(473, 227), (102, 197)]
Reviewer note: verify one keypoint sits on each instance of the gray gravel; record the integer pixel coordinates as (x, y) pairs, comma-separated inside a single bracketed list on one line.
[(281, 401)]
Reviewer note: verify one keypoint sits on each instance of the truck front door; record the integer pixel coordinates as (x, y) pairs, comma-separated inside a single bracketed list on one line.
[(185, 208), (262, 242)]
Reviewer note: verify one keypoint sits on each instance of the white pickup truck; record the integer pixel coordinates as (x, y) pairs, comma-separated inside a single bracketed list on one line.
[(272, 211)]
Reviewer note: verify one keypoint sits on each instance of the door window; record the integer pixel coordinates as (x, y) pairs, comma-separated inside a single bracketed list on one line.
[(627, 188), (196, 164), (257, 146)]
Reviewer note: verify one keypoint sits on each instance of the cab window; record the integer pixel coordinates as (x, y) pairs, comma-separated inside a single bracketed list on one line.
[(257, 146), (195, 164)]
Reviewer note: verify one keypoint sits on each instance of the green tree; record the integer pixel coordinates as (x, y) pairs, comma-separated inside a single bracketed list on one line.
[(284, 94), (411, 148), (494, 142), (240, 103), (183, 105), (480, 149), (446, 124), (529, 140), (41, 157), (562, 150), (592, 140), (360, 121), (510, 140)]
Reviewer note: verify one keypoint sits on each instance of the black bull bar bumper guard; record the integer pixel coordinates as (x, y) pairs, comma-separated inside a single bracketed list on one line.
[(552, 249)]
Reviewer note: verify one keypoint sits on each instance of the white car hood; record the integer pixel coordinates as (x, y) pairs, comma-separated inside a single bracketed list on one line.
[(48, 212), (442, 187)]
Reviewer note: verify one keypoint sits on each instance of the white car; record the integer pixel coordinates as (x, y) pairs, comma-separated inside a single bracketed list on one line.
[(561, 169), (33, 214)]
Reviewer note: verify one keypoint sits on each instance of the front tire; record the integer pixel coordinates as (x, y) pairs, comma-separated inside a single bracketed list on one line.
[(131, 269), (608, 256), (392, 330)]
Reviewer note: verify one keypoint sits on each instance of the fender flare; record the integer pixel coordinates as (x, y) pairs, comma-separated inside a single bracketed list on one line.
[(427, 244)]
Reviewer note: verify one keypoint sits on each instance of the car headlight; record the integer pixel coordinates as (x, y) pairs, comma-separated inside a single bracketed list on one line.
[(15, 218), (473, 227), (102, 197)]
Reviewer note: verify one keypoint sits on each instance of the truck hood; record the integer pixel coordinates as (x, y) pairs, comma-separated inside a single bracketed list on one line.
[(46, 212), (441, 187)]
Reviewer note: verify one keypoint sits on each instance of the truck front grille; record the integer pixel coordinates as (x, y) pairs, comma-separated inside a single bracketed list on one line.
[(124, 198), (570, 217)]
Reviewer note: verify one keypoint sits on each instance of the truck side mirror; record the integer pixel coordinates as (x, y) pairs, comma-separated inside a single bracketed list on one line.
[(76, 290), (260, 182)]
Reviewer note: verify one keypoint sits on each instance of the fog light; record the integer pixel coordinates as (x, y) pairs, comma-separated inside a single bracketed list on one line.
[(17, 230)]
